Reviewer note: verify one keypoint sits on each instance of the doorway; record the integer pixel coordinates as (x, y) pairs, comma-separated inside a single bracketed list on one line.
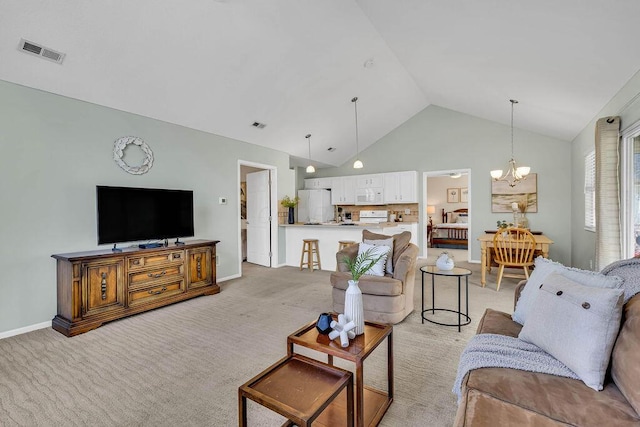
[(257, 236), (447, 212)]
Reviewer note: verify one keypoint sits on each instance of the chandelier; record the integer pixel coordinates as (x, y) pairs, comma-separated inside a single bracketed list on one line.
[(514, 173), (358, 163), (310, 168)]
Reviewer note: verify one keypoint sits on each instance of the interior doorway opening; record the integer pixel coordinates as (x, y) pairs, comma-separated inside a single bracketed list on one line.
[(447, 212), (257, 234)]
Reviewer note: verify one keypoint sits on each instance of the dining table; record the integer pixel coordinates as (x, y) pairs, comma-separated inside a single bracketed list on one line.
[(486, 243)]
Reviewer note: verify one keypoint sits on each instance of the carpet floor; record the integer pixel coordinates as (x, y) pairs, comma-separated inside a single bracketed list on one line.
[(182, 364)]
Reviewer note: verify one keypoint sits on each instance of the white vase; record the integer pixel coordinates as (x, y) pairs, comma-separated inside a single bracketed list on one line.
[(353, 306), (444, 263)]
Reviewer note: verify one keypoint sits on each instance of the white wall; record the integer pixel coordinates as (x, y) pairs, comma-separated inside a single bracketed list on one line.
[(55, 150), (438, 139), (625, 104)]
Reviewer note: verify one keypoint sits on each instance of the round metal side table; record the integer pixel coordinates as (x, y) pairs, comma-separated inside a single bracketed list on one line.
[(463, 317)]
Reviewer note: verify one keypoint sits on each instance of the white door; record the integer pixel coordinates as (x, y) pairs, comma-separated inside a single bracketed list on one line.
[(258, 218)]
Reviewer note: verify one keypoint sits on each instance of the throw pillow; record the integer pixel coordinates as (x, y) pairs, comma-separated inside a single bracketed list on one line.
[(543, 268), (386, 242), (381, 251), (576, 324), (400, 242)]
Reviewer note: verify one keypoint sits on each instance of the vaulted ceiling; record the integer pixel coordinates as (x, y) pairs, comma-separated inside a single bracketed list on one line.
[(294, 65)]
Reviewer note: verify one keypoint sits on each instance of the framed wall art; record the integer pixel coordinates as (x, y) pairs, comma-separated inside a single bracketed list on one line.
[(453, 195), (525, 192), (464, 195)]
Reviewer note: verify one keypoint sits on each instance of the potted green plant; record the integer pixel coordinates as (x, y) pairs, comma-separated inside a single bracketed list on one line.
[(358, 266), (290, 203)]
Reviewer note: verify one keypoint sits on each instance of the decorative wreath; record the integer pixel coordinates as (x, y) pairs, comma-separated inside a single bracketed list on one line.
[(118, 152)]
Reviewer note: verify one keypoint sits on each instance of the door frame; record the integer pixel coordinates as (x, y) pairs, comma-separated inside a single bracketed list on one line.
[(274, 210), (423, 211)]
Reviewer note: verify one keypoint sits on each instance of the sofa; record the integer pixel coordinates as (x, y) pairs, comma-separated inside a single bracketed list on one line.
[(385, 299), (510, 397)]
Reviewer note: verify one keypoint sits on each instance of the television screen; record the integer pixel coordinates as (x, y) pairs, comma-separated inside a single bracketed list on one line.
[(127, 214)]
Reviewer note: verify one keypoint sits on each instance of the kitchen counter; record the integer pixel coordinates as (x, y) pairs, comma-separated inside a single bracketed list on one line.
[(328, 235)]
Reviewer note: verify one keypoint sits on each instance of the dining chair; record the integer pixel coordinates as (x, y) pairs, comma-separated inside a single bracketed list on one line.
[(513, 248)]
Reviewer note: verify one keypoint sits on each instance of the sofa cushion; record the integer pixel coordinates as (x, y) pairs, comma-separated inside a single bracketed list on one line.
[(625, 359), (374, 285), (576, 324), (544, 267), (385, 242), (510, 397), (400, 242), (381, 252)]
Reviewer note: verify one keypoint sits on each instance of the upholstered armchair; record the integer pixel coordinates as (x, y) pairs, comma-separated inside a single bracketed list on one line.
[(388, 298)]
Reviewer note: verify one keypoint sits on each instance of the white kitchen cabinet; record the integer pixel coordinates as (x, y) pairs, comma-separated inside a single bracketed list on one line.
[(370, 181), (317, 183), (343, 190), (401, 187)]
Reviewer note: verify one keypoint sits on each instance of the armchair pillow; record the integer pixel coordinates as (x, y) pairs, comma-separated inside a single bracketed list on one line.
[(381, 251), (543, 268), (400, 242), (576, 324), (386, 242)]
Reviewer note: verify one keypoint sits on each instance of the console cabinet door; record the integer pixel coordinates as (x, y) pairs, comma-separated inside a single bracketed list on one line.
[(199, 270), (102, 286)]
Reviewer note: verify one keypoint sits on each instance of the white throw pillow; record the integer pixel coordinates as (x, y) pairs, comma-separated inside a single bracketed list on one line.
[(382, 251), (386, 242), (576, 324), (543, 268)]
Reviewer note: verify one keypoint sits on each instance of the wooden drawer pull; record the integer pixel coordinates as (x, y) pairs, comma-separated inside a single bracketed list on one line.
[(177, 256), (136, 262), (164, 288), (156, 276)]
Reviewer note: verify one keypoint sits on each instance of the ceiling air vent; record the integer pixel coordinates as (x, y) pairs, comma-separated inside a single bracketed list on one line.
[(41, 51), (258, 125)]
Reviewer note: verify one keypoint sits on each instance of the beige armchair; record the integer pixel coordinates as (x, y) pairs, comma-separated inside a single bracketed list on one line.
[(386, 299)]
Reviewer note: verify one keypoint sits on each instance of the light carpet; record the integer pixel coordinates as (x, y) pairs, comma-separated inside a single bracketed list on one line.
[(182, 364)]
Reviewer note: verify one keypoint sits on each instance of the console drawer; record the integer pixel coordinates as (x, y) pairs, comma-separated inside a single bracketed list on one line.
[(158, 274), (151, 260), (154, 293)]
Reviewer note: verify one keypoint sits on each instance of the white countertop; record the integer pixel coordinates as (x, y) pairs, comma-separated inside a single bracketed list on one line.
[(355, 225)]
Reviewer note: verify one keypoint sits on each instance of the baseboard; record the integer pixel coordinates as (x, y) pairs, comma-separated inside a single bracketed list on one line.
[(24, 330), (223, 279)]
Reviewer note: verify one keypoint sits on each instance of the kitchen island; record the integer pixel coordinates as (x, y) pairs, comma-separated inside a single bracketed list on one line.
[(328, 235)]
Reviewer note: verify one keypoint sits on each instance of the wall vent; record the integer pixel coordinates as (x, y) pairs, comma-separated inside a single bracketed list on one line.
[(258, 125), (41, 51)]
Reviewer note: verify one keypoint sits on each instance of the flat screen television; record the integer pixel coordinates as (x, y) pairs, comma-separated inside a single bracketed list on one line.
[(127, 214)]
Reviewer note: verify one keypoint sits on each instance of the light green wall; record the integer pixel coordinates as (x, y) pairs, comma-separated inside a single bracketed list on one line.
[(55, 150), (439, 139), (625, 105)]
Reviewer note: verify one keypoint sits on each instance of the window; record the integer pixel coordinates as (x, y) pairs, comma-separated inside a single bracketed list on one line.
[(631, 192), (590, 191)]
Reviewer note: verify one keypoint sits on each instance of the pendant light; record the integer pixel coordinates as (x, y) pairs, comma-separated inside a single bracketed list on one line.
[(358, 163), (514, 173), (310, 168)]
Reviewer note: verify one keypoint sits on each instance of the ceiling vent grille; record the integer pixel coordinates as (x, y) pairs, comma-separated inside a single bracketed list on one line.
[(41, 51), (258, 125)]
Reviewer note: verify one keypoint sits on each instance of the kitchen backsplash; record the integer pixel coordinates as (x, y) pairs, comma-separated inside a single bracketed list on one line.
[(399, 210)]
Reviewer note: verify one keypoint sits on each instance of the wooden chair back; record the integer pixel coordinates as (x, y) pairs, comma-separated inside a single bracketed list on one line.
[(514, 247)]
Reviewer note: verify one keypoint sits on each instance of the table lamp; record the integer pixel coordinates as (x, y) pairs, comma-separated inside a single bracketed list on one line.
[(431, 209)]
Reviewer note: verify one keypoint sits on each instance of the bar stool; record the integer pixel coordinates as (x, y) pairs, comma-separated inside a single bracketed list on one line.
[(344, 243), (310, 247)]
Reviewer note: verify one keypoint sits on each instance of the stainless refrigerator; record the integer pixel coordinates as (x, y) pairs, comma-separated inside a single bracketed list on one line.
[(315, 206)]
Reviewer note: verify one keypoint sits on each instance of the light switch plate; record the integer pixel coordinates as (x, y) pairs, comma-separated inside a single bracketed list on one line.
[(222, 200), (407, 211)]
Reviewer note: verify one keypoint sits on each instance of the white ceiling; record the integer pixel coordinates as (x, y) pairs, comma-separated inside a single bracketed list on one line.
[(218, 66)]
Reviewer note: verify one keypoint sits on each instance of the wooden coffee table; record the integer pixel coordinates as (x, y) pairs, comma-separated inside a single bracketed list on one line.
[(303, 390), (370, 404)]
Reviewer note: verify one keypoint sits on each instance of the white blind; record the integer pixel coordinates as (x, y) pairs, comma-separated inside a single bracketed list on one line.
[(590, 191)]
